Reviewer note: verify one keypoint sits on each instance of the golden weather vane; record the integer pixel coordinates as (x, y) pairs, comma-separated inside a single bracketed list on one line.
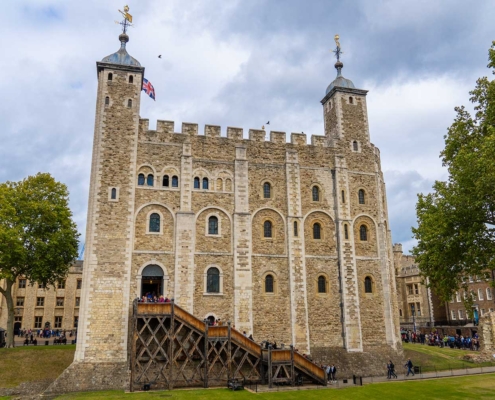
[(337, 51), (127, 19)]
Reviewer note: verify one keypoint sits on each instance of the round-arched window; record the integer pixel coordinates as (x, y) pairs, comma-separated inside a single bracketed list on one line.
[(155, 222), (322, 284), (213, 225), (368, 285), (316, 231), (316, 193), (363, 233), (267, 229), (213, 280), (269, 287)]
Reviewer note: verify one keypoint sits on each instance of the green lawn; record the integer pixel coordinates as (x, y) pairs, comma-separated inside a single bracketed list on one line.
[(432, 358), (478, 387), (33, 363)]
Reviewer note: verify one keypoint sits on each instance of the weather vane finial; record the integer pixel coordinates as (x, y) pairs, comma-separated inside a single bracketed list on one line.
[(127, 19), (337, 51)]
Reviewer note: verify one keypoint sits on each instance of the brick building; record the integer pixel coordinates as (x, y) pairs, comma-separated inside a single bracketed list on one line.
[(417, 303), (289, 241), (35, 305)]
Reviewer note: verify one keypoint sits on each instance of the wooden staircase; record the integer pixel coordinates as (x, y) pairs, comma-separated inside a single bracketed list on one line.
[(172, 348)]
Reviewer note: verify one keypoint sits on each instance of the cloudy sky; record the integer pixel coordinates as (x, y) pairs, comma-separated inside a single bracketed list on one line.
[(241, 63)]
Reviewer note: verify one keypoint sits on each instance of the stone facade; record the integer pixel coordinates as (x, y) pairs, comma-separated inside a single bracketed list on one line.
[(34, 305), (301, 243)]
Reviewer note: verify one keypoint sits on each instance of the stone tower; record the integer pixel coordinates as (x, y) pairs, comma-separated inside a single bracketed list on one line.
[(101, 354)]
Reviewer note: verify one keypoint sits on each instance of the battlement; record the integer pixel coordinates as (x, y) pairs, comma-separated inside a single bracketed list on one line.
[(165, 130)]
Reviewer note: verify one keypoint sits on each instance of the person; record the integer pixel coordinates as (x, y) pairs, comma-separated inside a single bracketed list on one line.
[(409, 366), (392, 369), (333, 372), (388, 370), (327, 370), (251, 337)]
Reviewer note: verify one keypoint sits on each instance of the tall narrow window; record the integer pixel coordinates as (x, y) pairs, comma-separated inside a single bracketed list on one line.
[(22, 283), (363, 233), (113, 195), (346, 232), (267, 190), (351, 100), (269, 284), (213, 280), (141, 179), (343, 196), (316, 193), (205, 183), (267, 229), (129, 103), (166, 182), (295, 228), (355, 146), (480, 295), (368, 285), (316, 231), (322, 284), (196, 183), (175, 181), (131, 79), (107, 101), (213, 225), (488, 293), (150, 179), (155, 222), (110, 76), (361, 196)]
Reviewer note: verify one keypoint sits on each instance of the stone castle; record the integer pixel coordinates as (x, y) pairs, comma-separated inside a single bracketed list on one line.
[(288, 241)]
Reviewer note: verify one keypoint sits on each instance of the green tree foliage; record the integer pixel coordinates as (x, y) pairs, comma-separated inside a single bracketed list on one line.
[(456, 222), (38, 239)]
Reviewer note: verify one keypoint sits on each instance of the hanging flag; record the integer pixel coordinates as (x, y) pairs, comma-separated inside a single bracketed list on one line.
[(148, 88)]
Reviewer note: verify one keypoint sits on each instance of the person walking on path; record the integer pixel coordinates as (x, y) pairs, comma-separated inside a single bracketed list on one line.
[(392, 369), (327, 370), (409, 366), (333, 372)]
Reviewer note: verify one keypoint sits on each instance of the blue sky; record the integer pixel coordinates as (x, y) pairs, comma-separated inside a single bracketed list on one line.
[(241, 63)]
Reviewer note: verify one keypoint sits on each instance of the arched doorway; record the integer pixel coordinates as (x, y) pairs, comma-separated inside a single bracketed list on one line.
[(152, 281)]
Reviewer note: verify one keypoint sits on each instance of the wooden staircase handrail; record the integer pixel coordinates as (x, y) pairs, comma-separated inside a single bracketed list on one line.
[(309, 367), (247, 343)]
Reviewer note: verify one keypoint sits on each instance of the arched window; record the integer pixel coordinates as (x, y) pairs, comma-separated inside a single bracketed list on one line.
[(175, 181), (219, 184), (267, 229), (213, 280), (107, 101), (322, 284), (351, 100), (480, 295), (141, 179), (343, 196), (295, 228), (316, 231), (267, 190), (228, 185), (269, 284), (361, 196), (110, 76), (355, 146), (165, 181), (131, 79), (213, 225), (363, 233), (155, 222), (346, 232), (150, 179), (205, 183), (316, 193), (488, 293), (113, 195), (196, 183), (368, 285), (129, 103)]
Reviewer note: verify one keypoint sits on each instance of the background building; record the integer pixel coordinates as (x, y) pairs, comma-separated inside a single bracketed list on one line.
[(35, 305)]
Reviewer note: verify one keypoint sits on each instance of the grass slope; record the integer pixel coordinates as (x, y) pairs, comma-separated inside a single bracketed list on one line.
[(478, 387), (33, 363), (432, 358)]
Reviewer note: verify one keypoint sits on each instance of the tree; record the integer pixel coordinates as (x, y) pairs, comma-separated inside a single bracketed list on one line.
[(38, 239), (456, 222)]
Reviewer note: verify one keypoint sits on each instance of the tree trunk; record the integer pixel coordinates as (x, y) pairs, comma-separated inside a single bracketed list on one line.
[(7, 292)]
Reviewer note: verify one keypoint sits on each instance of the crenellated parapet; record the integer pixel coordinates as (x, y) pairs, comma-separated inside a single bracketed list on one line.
[(165, 131)]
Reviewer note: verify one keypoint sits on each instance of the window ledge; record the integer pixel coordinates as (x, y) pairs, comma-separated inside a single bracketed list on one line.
[(59, 306), (212, 294), (154, 233), (215, 236)]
